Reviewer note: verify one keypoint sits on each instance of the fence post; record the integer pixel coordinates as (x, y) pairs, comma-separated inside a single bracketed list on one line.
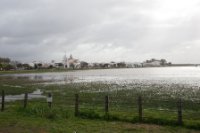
[(179, 105), (2, 101), (25, 99), (140, 108), (106, 104), (49, 100), (76, 105)]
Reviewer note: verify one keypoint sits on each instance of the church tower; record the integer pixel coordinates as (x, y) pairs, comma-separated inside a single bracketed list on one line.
[(71, 57), (65, 61)]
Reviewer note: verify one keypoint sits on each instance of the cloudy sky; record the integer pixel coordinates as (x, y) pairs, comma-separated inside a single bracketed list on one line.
[(100, 30)]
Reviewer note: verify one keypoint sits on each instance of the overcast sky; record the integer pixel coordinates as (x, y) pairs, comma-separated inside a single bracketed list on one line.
[(100, 30)]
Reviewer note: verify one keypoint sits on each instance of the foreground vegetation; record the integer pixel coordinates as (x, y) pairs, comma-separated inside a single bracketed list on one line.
[(159, 107), (43, 120)]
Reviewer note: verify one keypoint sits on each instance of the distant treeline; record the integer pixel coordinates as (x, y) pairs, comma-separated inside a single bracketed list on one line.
[(4, 60), (8, 64), (185, 64), (5, 64)]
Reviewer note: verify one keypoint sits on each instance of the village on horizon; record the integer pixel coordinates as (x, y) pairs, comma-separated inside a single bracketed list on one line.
[(73, 63)]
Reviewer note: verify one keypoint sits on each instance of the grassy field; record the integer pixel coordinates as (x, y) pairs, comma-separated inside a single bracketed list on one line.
[(22, 122), (159, 108)]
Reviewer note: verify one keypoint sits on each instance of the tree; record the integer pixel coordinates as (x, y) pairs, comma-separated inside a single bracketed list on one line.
[(163, 62), (26, 66), (1, 67), (84, 64), (9, 67), (39, 65), (51, 66), (35, 66), (5, 64), (152, 60), (121, 64), (19, 65), (4, 60)]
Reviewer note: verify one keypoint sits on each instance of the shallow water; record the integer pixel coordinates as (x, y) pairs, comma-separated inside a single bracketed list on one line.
[(34, 95), (159, 75)]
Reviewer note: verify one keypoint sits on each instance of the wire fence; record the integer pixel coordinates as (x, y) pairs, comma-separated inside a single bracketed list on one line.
[(138, 108)]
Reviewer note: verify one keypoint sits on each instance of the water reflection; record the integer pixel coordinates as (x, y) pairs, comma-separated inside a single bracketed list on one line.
[(163, 75)]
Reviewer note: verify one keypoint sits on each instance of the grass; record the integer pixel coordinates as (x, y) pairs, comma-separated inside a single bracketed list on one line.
[(158, 108), (36, 125), (39, 118)]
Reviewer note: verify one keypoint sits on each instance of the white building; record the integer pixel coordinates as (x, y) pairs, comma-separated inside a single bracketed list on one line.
[(70, 62)]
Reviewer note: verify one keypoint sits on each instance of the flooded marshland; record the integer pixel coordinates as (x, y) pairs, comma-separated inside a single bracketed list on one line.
[(161, 81), (160, 89)]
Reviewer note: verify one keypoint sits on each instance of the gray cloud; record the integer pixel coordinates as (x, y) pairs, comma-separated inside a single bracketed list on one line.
[(106, 30)]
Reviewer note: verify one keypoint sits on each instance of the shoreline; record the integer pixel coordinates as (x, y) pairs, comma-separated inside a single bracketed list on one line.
[(73, 70)]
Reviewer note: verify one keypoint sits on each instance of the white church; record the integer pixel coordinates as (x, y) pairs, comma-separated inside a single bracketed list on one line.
[(70, 62)]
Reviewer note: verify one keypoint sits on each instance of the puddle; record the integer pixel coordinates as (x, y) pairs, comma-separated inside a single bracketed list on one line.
[(34, 95), (14, 86)]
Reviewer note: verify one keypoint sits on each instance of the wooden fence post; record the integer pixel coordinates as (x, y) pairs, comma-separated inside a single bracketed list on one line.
[(140, 108), (49, 100), (2, 101), (76, 105), (25, 99), (179, 105), (106, 104)]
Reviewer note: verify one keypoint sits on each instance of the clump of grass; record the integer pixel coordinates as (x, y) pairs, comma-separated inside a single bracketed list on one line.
[(192, 125), (111, 117), (43, 111), (159, 121), (91, 114)]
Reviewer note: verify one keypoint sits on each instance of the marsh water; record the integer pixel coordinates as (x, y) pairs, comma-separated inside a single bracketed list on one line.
[(166, 80), (34, 95), (159, 75)]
